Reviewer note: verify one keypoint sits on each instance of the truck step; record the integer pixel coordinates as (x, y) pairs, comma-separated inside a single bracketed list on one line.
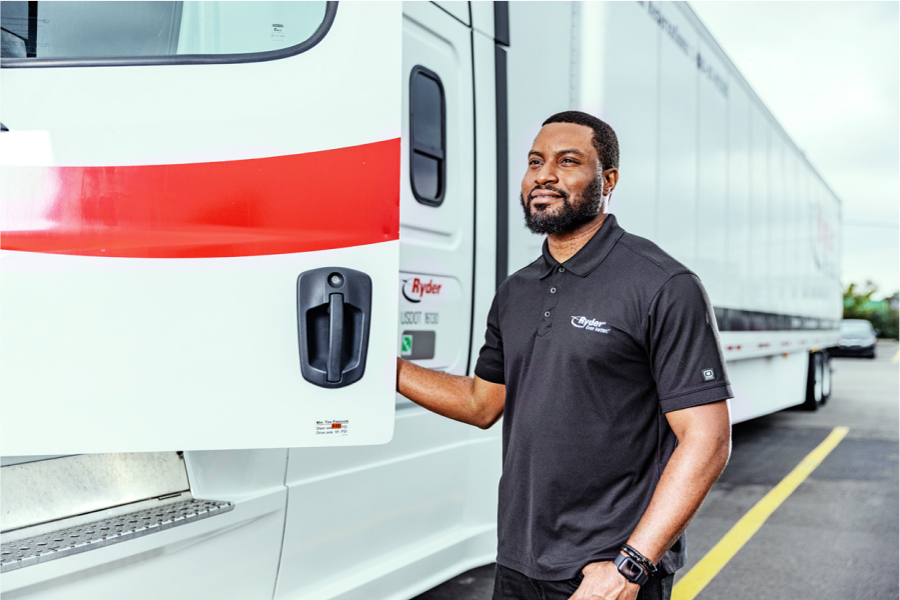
[(81, 538)]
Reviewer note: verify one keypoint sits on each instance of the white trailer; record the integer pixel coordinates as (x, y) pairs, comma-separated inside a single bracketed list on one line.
[(138, 358)]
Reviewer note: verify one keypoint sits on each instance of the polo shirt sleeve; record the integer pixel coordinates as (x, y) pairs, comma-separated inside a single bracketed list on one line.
[(683, 341), (490, 360)]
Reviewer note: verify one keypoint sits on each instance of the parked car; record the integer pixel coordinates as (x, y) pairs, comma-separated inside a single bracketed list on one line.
[(857, 339)]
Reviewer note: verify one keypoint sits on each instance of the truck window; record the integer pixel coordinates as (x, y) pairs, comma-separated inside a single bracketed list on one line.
[(79, 32), (427, 127)]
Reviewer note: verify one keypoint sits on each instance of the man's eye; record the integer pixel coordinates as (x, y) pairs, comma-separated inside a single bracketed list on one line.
[(570, 160)]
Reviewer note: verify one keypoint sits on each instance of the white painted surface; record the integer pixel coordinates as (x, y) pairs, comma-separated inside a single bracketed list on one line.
[(712, 181), (738, 251), (443, 312), (457, 8), (192, 354), (758, 279), (236, 475), (767, 384), (485, 191), (676, 210), (483, 18), (357, 517), (200, 353), (437, 242)]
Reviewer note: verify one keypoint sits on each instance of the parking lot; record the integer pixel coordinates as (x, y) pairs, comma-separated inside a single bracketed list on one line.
[(835, 536)]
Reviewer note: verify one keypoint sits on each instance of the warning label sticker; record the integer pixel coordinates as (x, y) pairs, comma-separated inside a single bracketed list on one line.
[(335, 427)]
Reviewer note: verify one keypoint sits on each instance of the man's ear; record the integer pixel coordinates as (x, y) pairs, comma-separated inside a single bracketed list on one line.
[(610, 179)]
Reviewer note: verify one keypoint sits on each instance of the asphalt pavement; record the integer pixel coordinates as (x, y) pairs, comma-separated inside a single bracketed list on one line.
[(836, 537)]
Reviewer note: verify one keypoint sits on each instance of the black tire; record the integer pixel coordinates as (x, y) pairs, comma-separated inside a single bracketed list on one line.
[(814, 376)]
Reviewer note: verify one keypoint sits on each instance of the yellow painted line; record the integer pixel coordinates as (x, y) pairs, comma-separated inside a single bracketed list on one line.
[(896, 357), (709, 566)]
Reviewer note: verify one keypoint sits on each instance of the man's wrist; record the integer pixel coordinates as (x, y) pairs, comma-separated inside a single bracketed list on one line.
[(634, 566), (602, 571), (631, 569), (648, 565)]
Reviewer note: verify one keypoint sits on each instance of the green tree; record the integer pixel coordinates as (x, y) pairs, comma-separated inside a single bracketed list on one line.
[(886, 319), (857, 300), (858, 304)]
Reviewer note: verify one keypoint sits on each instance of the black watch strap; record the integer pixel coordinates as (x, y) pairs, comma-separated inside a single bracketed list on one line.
[(631, 569), (642, 560)]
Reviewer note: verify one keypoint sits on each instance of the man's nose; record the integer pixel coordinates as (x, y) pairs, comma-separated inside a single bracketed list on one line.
[(546, 174)]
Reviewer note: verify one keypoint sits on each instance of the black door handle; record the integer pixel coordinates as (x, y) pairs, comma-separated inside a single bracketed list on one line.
[(334, 308), (335, 337)]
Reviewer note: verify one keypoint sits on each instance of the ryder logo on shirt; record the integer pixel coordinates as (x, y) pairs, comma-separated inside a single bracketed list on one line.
[(590, 324)]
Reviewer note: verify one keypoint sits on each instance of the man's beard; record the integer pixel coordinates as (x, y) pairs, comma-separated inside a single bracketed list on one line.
[(570, 215)]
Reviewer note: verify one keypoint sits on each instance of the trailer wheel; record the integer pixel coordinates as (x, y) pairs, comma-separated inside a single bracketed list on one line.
[(826, 377), (814, 380)]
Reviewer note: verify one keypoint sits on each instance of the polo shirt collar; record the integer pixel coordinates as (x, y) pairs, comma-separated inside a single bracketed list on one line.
[(591, 254)]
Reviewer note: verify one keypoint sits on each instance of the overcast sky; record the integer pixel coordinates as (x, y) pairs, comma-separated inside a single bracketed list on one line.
[(830, 73)]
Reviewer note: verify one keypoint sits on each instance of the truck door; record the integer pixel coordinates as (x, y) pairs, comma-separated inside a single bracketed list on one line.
[(200, 207), (438, 192), (410, 518)]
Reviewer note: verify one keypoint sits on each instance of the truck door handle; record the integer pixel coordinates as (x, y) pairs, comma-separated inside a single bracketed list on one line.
[(334, 307), (335, 337)]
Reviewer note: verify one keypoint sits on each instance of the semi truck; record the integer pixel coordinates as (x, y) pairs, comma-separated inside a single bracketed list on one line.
[(223, 221)]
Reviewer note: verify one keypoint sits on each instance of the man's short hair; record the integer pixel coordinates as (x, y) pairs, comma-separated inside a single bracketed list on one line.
[(604, 139)]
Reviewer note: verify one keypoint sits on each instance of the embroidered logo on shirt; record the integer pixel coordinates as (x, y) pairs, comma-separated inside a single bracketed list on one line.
[(590, 324), (708, 375)]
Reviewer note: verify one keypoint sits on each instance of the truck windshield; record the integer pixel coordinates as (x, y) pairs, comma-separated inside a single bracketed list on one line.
[(62, 30)]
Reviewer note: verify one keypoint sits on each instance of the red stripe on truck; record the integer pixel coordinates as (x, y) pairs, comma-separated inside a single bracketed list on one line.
[(299, 203)]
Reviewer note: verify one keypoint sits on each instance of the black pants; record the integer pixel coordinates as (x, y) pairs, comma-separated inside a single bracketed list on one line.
[(512, 585)]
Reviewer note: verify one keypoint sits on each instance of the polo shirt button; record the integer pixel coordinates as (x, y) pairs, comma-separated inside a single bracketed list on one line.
[(552, 290), (547, 314), (562, 269)]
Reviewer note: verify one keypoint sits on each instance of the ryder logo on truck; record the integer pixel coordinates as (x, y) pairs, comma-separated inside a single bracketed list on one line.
[(415, 289), (590, 324)]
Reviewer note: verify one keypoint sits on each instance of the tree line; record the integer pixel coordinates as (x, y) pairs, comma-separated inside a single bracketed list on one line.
[(858, 304)]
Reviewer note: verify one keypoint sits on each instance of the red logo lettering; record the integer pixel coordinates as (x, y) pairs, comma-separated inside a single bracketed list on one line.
[(418, 288)]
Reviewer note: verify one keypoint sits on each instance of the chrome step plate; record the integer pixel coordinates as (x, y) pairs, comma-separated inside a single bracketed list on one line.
[(65, 542)]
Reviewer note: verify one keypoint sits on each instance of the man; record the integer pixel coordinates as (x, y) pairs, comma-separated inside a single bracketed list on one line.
[(600, 355)]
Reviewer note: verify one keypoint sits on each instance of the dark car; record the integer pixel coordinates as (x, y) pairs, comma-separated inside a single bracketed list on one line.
[(857, 339)]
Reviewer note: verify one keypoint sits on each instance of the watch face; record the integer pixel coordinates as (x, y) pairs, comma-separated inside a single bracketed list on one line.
[(630, 569)]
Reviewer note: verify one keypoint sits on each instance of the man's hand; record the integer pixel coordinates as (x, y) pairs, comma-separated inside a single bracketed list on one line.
[(466, 399), (602, 581)]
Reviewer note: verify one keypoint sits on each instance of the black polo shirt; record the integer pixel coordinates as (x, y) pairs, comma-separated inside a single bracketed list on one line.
[(593, 353)]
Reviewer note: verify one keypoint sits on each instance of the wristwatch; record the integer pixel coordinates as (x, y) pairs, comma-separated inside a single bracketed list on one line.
[(631, 569)]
